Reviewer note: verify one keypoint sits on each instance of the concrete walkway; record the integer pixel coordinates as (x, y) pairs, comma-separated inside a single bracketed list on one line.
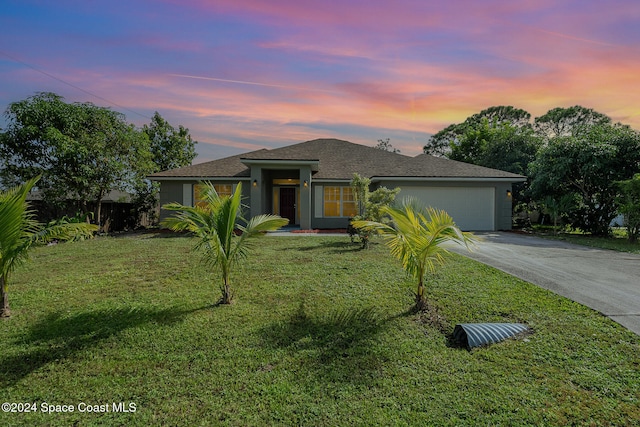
[(606, 281)]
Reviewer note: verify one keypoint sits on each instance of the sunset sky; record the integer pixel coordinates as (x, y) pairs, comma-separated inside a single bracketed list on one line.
[(250, 74)]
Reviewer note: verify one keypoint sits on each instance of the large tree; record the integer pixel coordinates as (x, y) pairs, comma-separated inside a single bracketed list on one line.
[(571, 121), (585, 166), (171, 148), (81, 150), (499, 137), (440, 143), (629, 206)]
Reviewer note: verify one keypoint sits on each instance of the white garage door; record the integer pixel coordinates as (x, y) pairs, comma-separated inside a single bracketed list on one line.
[(470, 208)]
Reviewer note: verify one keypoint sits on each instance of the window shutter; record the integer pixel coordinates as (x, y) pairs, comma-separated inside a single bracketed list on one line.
[(187, 194), (319, 199)]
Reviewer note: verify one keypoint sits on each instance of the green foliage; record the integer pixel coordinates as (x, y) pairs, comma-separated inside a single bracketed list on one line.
[(441, 143), (215, 224), (415, 236), (585, 167), (629, 205), (499, 137), (78, 218), (370, 205), (20, 231), (571, 121), (170, 147), (81, 150), (558, 208)]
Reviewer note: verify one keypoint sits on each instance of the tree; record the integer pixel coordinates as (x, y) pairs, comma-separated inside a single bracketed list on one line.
[(441, 143), (570, 121), (214, 222), (20, 231), (586, 166), (170, 148), (415, 236), (385, 145), (558, 208), (81, 150), (628, 204), (370, 205)]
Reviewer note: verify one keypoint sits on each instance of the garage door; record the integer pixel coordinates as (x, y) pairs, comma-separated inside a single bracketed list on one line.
[(470, 208)]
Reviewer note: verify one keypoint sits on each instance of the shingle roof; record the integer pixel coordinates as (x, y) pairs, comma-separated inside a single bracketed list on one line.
[(340, 160)]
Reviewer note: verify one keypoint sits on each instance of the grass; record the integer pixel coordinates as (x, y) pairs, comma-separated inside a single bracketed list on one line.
[(617, 242), (320, 334)]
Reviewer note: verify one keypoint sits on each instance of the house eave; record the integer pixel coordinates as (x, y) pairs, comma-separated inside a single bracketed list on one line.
[(199, 178), (446, 179), (282, 163)]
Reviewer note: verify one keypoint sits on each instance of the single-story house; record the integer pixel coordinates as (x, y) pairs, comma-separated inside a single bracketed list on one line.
[(308, 183)]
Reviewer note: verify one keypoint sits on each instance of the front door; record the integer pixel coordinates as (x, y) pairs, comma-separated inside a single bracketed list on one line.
[(288, 203)]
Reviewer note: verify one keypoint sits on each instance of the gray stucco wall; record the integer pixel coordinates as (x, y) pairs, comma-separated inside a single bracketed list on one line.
[(502, 202), (174, 191)]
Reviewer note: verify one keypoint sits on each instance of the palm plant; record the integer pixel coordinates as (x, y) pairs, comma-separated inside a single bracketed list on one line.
[(415, 235), (215, 222), (19, 231)]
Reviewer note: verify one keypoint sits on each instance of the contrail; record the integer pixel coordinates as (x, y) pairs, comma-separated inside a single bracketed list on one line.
[(242, 82), (580, 39)]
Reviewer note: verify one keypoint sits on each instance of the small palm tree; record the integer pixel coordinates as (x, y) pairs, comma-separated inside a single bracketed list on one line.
[(214, 221), (415, 236), (20, 231)]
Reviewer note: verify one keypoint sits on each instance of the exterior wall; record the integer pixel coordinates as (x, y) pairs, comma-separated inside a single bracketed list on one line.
[(311, 198), (317, 207), (171, 191), (181, 191), (496, 212), (504, 202)]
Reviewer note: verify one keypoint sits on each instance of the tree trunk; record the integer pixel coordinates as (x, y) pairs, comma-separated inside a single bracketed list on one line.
[(4, 304), (421, 301), (99, 209), (226, 291)]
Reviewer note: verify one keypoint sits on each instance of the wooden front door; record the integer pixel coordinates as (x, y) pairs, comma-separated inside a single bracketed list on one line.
[(288, 203)]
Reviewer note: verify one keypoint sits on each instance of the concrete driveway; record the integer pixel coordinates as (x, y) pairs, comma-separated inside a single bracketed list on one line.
[(604, 280)]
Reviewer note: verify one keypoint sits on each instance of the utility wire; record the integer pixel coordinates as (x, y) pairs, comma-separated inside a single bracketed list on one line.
[(12, 58)]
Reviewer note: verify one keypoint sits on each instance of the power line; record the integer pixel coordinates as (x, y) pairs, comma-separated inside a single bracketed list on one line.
[(71, 84)]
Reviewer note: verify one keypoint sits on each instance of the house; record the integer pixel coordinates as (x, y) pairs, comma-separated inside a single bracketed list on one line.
[(308, 183)]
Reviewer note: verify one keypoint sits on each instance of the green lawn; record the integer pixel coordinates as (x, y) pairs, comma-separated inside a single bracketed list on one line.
[(618, 241), (320, 334)]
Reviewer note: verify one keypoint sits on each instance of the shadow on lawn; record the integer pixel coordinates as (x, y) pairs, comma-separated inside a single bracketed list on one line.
[(338, 347), (336, 247), (57, 336)]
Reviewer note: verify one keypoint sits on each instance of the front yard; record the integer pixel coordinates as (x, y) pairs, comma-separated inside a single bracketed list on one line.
[(319, 334)]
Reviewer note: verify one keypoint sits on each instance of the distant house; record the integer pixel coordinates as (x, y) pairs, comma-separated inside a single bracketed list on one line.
[(308, 183)]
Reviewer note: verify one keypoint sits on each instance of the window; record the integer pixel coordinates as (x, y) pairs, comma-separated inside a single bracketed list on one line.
[(338, 201), (348, 202), (221, 189)]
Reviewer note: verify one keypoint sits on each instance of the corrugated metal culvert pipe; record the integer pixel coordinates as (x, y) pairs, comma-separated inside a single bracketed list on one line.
[(478, 334)]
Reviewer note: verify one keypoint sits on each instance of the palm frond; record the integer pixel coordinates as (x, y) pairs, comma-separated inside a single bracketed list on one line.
[(17, 224), (215, 222)]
